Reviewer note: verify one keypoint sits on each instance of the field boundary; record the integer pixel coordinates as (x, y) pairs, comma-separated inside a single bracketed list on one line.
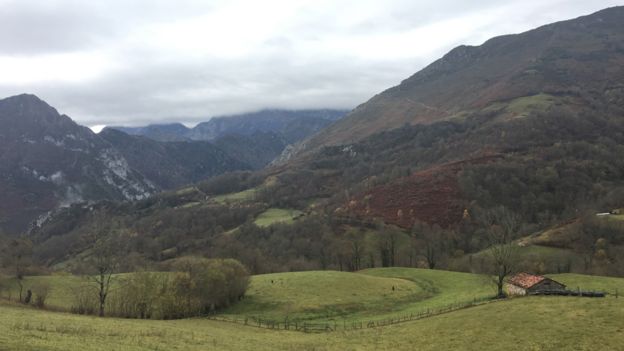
[(332, 326)]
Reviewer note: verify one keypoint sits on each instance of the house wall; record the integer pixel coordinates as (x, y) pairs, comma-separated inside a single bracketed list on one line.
[(547, 285), (514, 290)]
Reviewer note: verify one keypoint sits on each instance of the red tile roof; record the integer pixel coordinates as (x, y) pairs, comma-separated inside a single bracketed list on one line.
[(525, 280)]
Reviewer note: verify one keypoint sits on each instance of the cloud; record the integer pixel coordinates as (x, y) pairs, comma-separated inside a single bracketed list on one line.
[(145, 61)]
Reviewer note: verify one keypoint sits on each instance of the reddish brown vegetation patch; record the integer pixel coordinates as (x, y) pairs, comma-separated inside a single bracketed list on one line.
[(432, 196)]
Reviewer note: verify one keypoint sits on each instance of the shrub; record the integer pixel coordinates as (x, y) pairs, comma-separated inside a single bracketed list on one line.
[(197, 286), (84, 300), (41, 292)]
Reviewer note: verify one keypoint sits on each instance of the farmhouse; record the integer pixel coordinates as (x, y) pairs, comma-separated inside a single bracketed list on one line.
[(524, 284)]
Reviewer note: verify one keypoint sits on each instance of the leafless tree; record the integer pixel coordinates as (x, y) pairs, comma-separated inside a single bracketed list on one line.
[(103, 262), (429, 242), (18, 256), (502, 228)]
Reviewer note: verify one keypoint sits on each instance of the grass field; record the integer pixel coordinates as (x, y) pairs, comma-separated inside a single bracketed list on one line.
[(523, 106), (534, 323), (325, 296), (275, 215), (62, 288), (236, 197)]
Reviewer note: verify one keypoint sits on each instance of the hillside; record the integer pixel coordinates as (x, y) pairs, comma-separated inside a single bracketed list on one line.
[(256, 150), (47, 160), (579, 60), (173, 164), (548, 157)]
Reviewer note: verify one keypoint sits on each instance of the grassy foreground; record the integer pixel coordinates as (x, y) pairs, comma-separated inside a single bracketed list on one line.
[(342, 297), (535, 323)]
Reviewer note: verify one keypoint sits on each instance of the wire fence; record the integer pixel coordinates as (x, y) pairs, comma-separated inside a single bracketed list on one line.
[(346, 325)]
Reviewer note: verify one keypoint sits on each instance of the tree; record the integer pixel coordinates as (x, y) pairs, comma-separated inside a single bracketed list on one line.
[(433, 243), (387, 244), (104, 259), (357, 248), (501, 226), (203, 285), (18, 257)]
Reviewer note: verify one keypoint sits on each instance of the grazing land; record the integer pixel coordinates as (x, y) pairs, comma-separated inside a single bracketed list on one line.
[(276, 215), (236, 197), (534, 323), (548, 322)]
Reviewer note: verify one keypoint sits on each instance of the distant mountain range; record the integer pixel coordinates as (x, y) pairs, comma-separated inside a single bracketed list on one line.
[(47, 160), (293, 126)]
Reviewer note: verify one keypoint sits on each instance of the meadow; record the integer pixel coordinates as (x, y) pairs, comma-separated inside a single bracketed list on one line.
[(532, 323), (276, 215)]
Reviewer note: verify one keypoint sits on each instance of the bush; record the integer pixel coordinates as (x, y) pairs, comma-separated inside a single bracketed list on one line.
[(197, 286), (84, 300), (209, 284), (41, 292), (141, 295)]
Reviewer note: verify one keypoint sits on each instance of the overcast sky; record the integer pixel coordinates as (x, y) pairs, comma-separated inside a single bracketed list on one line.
[(124, 62)]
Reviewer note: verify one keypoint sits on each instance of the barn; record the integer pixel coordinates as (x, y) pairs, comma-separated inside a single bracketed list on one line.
[(525, 284)]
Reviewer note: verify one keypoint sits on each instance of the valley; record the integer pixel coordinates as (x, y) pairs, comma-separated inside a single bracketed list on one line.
[(476, 205)]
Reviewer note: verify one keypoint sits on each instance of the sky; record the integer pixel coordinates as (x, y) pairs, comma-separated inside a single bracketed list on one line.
[(135, 62)]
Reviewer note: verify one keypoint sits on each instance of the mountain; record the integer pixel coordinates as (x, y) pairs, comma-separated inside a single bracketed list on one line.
[(159, 132), (565, 60), (256, 150), (534, 123), (293, 125), (255, 139), (172, 164), (47, 160)]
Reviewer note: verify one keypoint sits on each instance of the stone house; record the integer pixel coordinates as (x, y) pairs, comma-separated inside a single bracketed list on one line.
[(525, 284)]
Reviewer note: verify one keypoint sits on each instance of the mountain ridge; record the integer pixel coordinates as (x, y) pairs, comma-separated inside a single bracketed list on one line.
[(472, 77), (294, 125)]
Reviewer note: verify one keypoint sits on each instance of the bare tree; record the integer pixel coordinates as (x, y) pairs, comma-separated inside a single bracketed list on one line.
[(357, 248), (104, 261), (18, 256), (430, 242), (502, 228)]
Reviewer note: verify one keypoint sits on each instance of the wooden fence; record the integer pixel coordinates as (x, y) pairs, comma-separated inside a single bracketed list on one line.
[(344, 325)]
